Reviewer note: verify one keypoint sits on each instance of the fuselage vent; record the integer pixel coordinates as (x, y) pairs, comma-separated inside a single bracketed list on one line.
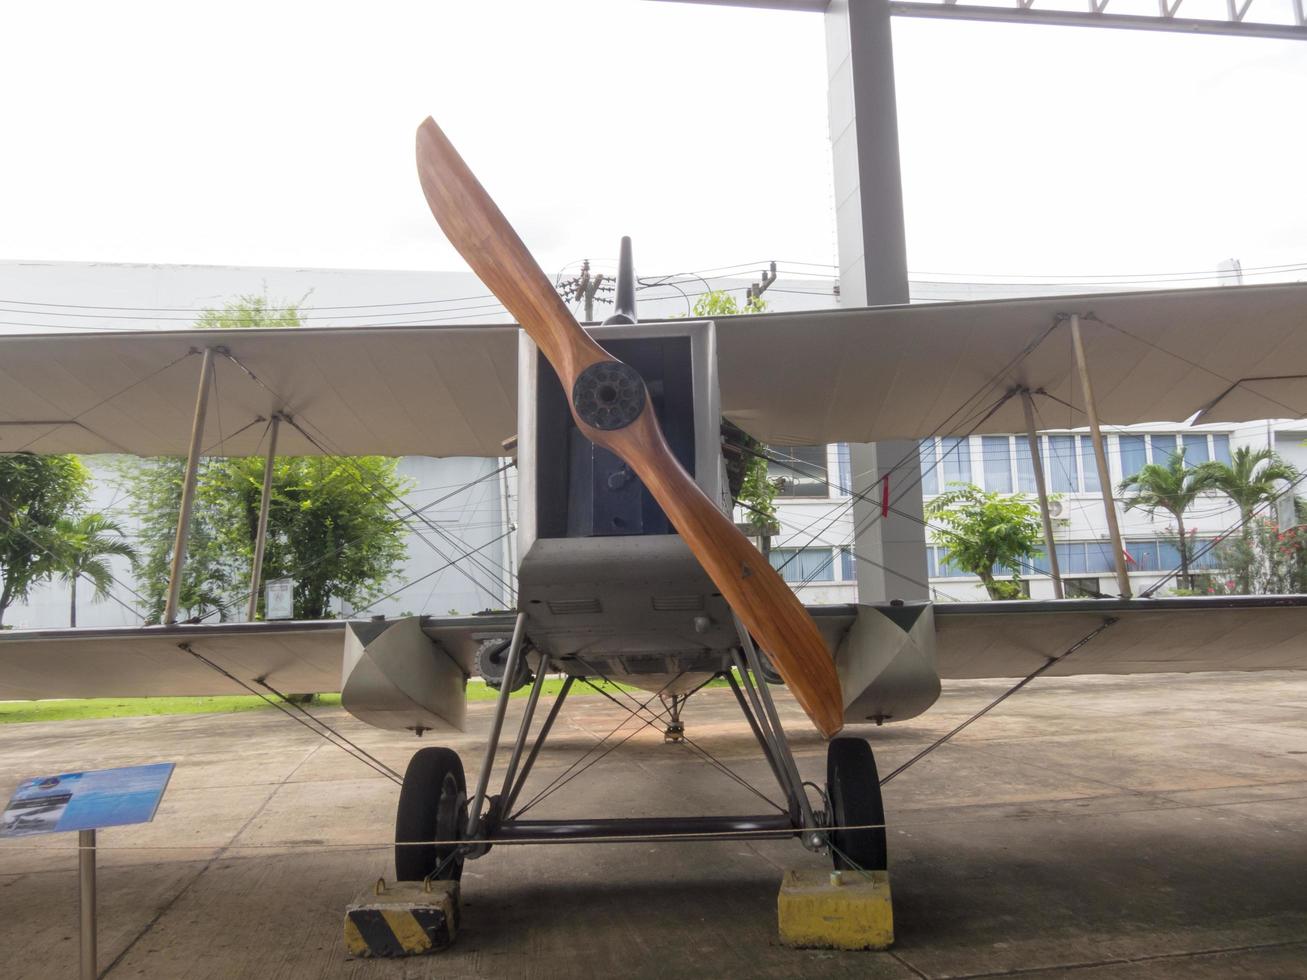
[(573, 607), (678, 603)]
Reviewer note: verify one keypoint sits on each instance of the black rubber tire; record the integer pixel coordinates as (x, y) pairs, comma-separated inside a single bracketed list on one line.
[(853, 788), (492, 663), (432, 806)]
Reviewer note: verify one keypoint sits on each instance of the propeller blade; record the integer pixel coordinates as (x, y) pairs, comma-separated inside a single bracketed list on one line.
[(611, 408)]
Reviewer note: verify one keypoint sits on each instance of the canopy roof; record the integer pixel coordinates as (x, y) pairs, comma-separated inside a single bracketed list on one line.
[(1235, 353)]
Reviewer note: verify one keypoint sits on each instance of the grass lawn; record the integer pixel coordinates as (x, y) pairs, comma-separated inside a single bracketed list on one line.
[(12, 712)]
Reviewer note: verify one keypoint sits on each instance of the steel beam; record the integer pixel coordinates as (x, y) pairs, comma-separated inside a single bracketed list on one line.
[(1080, 18), (1100, 457), (188, 491), (1032, 437), (261, 535)]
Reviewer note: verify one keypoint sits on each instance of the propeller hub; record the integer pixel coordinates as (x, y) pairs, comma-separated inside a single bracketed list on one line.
[(608, 395)]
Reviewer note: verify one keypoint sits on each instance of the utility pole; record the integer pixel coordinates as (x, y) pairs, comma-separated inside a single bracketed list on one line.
[(584, 287), (755, 291)]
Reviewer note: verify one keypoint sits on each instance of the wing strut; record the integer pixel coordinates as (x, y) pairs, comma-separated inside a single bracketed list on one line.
[(1100, 457), (1037, 463), (261, 536), (188, 491)]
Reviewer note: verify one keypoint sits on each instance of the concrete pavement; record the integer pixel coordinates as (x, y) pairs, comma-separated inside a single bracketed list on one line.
[(1099, 827)]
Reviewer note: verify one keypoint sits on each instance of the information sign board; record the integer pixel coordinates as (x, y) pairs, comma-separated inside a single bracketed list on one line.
[(85, 800)]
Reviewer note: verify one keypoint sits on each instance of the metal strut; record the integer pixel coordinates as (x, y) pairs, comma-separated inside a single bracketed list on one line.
[(496, 825), (792, 784), (496, 727), (516, 791)]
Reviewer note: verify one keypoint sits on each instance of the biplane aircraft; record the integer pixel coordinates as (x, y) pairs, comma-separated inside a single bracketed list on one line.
[(630, 567)]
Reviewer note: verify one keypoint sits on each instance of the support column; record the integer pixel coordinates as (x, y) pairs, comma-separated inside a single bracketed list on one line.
[(261, 535), (1032, 437), (188, 492), (873, 272), (1100, 457)]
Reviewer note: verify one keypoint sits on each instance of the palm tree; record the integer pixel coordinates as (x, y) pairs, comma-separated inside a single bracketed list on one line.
[(1250, 479), (1172, 488), (85, 544)]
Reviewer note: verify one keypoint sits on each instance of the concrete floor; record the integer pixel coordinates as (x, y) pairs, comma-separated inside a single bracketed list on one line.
[(1090, 827)]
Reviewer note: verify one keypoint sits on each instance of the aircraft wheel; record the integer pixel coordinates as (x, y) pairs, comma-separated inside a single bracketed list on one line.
[(432, 807), (492, 663), (853, 788), (769, 672)]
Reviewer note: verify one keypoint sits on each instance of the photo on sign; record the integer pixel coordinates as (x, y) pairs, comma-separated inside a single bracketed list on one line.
[(37, 811)]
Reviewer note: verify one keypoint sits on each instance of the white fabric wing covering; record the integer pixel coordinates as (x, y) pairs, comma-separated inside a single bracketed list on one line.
[(1239, 353)]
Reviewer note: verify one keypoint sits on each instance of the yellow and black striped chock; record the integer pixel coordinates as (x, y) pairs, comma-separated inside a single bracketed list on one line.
[(407, 918)]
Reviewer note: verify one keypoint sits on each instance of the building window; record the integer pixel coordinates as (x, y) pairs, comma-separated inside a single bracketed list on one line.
[(801, 471), (844, 468), (997, 453), (1025, 467), (929, 473), (955, 459), (938, 565), (1144, 555), (1163, 555), (1080, 588), (848, 570), (800, 566), (1221, 448), (1089, 465), (1164, 447), (1084, 556), (1134, 455), (1195, 450), (1060, 462)]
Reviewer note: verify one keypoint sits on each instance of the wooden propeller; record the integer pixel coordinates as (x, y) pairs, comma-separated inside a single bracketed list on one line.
[(611, 408)]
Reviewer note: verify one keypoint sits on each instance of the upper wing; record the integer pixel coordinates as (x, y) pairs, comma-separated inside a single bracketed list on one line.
[(393, 391), (911, 371), (1146, 636), (1234, 353)]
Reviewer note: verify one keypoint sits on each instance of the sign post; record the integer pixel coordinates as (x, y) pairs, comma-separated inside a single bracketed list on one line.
[(84, 802), (86, 901)]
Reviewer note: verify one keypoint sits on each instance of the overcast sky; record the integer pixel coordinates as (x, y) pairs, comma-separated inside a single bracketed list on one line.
[(282, 134)]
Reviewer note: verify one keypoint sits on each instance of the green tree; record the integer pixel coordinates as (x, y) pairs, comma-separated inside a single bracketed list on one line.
[(85, 545), (154, 492), (251, 311), (1172, 488), (331, 526), (1250, 478), (330, 523), (984, 530), (36, 492), (719, 302)]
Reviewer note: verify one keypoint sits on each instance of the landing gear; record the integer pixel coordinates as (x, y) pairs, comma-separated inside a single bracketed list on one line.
[(853, 791), (432, 807), (675, 730)]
